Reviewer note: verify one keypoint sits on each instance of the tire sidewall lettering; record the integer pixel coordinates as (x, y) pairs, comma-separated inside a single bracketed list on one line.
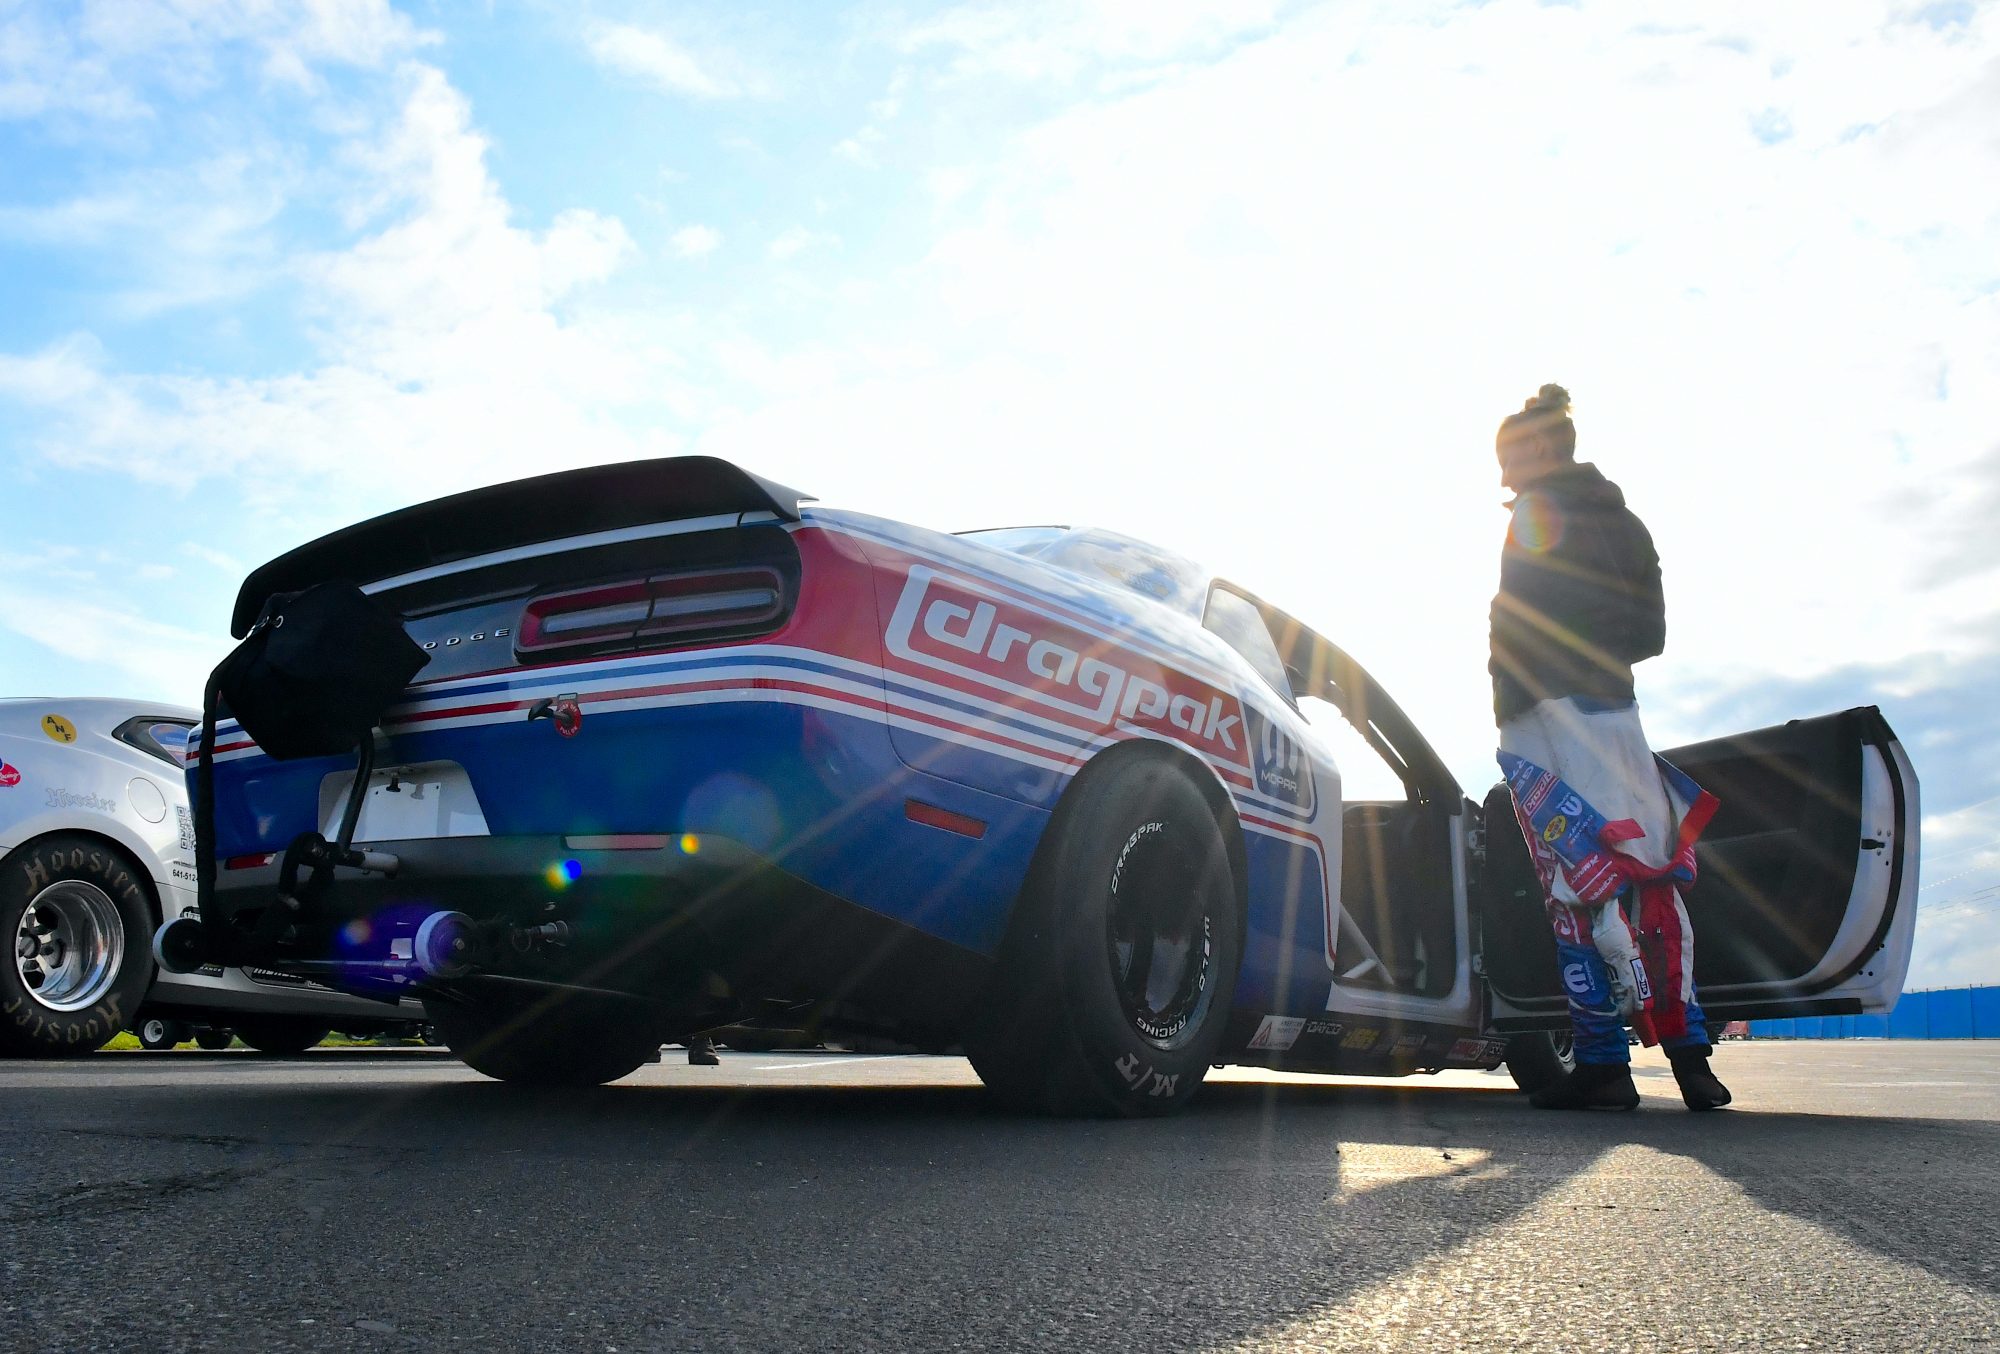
[(32, 1028), (1140, 1074)]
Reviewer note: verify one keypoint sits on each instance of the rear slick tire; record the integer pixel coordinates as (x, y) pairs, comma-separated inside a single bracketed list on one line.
[(542, 1044), (1113, 988)]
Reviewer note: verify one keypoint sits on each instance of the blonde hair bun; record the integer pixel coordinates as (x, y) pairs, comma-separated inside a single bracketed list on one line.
[(1551, 398)]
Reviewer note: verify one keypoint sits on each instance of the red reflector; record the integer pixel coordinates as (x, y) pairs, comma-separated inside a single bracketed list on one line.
[(930, 815), (249, 862), (620, 841)]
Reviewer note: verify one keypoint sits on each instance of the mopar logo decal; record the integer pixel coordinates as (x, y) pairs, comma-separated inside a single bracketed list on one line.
[(1577, 979), (1283, 770)]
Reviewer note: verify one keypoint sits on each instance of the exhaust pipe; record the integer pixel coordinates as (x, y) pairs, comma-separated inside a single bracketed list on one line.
[(447, 945), (181, 946)]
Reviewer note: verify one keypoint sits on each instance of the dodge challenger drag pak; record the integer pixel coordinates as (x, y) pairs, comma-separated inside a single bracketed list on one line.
[(687, 752)]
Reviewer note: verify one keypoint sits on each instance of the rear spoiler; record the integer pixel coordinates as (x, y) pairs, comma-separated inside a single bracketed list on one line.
[(520, 512)]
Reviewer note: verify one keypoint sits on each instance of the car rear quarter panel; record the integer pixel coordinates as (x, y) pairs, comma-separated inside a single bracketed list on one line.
[(1015, 675)]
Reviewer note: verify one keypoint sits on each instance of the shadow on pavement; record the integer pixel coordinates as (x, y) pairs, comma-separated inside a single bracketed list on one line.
[(907, 1217)]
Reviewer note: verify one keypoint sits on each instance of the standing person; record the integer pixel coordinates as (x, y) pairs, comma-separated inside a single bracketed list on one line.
[(1611, 828)]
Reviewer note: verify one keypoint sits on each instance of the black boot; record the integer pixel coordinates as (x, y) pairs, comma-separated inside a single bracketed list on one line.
[(701, 1052), (1699, 1088), (1592, 1086)]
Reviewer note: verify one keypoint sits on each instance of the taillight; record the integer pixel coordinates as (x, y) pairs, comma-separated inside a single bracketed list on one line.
[(586, 616), (684, 602), (652, 611)]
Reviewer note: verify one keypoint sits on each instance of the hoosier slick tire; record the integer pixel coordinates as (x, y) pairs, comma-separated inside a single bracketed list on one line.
[(1114, 984), (1540, 1058), (542, 1044), (75, 918)]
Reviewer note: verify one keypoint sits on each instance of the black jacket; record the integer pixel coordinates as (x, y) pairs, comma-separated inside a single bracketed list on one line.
[(1579, 600)]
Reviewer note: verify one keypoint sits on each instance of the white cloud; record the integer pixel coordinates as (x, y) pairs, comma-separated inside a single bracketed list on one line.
[(797, 239), (43, 72), (860, 148), (693, 242), (196, 234), (139, 654), (659, 60), (220, 559), (105, 61), (1060, 39)]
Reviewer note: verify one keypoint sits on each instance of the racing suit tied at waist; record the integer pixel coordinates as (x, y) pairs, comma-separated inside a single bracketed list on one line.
[(1573, 843)]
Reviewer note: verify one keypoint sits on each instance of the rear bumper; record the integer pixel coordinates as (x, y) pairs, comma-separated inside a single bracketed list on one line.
[(699, 925)]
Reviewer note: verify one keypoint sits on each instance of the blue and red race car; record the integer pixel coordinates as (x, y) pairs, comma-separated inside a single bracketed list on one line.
[(689, 752)]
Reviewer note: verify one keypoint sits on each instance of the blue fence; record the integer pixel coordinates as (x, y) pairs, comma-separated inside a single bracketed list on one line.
[(1947, 1013)]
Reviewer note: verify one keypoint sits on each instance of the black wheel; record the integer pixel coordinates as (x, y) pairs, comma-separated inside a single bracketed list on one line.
[(1541, 1058), (157, 1032), (212, 1039), (547, 1043), (76, 917), (280, 1036), (1113, 986)]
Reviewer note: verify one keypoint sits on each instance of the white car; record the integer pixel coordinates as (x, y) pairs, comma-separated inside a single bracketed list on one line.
[(96, 851)]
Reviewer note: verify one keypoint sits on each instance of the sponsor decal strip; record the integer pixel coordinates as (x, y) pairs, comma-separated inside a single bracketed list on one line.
[(1009, 727), (851, 698)]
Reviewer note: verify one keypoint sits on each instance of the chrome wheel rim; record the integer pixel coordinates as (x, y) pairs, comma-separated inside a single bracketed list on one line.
[(70, 946)]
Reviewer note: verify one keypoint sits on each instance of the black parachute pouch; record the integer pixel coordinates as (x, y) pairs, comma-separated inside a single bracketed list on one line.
[(312, 678)]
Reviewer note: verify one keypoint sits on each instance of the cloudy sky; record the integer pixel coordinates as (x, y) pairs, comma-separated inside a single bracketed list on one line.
[(1252, 278)]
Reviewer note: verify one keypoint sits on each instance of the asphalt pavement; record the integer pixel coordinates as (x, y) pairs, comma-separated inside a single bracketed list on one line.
[(396, 1201)]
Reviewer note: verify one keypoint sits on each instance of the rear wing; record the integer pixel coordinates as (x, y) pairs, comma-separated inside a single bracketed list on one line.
[(519, 513)]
